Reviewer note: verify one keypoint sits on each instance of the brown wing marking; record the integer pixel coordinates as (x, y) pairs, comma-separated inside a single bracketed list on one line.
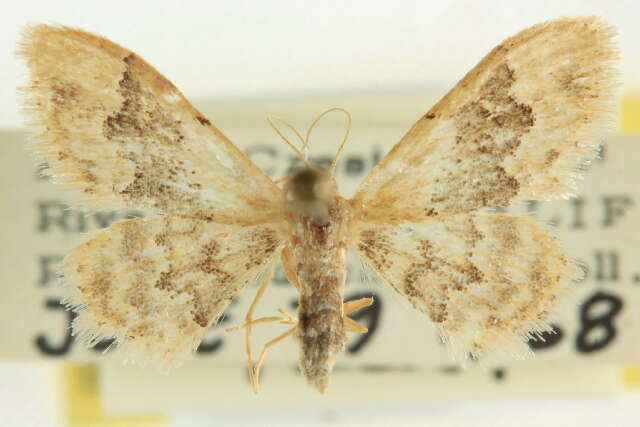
[(157, 284), (517, 126), (484, 280), (121, 134)]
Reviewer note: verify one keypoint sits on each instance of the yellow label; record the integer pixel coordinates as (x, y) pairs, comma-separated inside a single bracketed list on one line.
[(629, 119), (83, 404)]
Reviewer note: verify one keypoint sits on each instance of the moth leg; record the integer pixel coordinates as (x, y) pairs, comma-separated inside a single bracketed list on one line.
[(356, 304), (288, 267), (264, 282), (351, 325), (349, 307), (286, 319), (255, 375)]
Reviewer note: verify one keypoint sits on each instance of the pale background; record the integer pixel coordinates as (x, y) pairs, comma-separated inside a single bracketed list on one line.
[(230, 49), (260, 49)]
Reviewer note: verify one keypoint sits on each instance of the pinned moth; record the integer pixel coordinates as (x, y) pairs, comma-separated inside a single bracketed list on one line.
[(120, 135)]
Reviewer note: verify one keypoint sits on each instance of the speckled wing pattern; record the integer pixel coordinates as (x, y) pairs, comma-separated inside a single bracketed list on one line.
[(159, 283), (118, 134), (518, 126), (122, 135), (482, 279)]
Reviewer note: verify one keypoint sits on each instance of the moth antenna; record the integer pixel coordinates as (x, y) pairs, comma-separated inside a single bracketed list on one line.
[(271, 120), (281, 180), (344, 140)]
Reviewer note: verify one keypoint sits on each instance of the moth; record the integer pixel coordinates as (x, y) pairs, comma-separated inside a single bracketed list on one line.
[(118, 135)]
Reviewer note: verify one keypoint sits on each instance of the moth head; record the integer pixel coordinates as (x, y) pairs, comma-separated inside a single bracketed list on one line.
[(309, 185)]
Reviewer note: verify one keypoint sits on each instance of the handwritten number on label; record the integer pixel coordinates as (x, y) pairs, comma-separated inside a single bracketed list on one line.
[(104, 345), (44, 344), (209, 347), (547, 339), (46, 347), (591, 321)]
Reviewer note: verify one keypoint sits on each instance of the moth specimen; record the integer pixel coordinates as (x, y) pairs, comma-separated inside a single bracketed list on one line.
[(119, 134)]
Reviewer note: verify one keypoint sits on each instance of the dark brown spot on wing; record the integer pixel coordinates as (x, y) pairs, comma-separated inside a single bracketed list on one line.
[(551, 156), (203, 121), (63, 94), (431, 278), (375, 246), (489, 129), (147, 135), (261, 244)]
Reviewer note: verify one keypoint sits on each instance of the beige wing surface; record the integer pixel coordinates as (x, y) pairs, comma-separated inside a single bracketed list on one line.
[(156, 284), (486, 281), (517, 126), (121, 134)]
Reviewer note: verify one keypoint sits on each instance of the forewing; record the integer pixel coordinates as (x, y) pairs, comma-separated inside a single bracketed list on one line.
[(157, 284), (486, 281), (517, 126), (121, 134)]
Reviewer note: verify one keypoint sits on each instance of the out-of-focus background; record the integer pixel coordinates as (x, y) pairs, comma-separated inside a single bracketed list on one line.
[(388, 62), (216, 50)]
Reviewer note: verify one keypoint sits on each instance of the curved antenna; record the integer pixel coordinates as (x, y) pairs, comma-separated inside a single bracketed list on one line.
[(281, 180), (305, 145), (271, 120)]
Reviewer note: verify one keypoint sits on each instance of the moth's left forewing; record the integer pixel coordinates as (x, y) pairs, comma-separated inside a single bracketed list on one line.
[(118, 134), (517, 126)]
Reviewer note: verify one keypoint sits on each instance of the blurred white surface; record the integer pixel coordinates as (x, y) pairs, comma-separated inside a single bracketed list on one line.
[(28, 399), (229, 49), (28, 394), (547, 413)]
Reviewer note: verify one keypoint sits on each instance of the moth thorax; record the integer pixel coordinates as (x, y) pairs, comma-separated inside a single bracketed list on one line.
[(310, 192)]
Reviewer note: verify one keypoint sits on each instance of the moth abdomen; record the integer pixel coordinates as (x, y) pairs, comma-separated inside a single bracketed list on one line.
[(321, 334)]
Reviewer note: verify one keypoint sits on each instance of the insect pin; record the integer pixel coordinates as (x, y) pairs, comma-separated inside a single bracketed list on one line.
[(118, 135)]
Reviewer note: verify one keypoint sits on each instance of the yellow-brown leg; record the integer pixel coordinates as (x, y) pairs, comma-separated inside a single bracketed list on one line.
[(288, 267), (255, 377), (254, 371), (285, 319), (264, 282), (349, 307), (356, 304)]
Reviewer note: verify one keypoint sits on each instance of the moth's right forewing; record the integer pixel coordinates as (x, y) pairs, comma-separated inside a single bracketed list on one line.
[(517, 126), (157, 284), (120, 134)]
